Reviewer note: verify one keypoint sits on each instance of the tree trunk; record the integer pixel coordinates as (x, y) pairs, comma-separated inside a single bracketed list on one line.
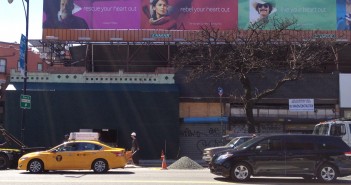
[(248, 103), (250, 118)]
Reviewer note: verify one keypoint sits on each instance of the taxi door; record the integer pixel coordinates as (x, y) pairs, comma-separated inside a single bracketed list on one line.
[(87, 153), (65, 158)]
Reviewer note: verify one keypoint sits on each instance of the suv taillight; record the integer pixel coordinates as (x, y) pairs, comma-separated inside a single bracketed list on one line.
[(348, 153)]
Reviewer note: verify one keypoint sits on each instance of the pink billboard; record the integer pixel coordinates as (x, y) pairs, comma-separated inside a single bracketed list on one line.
[(190, 15), (140, 14)]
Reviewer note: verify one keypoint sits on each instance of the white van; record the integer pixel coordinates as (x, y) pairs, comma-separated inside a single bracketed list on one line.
[(339, 127)]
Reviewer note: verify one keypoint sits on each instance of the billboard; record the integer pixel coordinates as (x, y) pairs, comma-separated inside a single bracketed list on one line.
[(133, 20), (311, 14), (139, 14)]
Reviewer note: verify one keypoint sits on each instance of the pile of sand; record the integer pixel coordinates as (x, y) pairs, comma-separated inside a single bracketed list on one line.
[(185, 163)]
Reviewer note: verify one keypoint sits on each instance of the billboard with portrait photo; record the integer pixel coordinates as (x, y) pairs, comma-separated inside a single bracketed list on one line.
[(191, 14), (141, 14), (104, 14), (310, 14), (101, 20)]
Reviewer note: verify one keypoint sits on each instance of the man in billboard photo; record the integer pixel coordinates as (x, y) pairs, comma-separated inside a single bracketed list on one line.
[(64, 18), (264, 8)]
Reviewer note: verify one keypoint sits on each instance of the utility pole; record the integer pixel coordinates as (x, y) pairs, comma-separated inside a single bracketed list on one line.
[(25, 52)]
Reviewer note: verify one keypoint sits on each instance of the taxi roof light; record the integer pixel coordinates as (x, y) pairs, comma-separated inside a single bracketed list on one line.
[(91, 136)]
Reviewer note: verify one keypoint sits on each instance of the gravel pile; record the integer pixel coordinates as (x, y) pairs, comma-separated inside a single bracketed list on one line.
[(185, 163)]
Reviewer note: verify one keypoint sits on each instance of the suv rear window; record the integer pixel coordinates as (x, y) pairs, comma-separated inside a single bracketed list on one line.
[(332, 143)]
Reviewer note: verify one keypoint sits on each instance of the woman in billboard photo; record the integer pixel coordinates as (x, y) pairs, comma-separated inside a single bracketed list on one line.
[(159, 12)]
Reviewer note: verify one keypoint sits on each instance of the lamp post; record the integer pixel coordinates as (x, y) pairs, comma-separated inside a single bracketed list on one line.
[(26, 12)]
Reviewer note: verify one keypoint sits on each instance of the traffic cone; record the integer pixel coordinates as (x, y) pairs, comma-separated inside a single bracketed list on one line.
[(163, 158)]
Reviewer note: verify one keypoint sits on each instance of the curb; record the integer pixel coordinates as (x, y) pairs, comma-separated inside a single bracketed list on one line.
[(158, 163)]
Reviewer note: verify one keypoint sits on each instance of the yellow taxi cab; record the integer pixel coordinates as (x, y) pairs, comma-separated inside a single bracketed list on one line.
[(75, 155)]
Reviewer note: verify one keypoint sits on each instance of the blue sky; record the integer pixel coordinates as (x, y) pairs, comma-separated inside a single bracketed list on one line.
[(12, 20)]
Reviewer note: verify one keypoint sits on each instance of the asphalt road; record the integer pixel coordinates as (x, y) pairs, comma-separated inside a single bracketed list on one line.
[(133, 176)]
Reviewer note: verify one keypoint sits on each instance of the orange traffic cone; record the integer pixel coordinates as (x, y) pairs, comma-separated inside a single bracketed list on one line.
[(163, 158)]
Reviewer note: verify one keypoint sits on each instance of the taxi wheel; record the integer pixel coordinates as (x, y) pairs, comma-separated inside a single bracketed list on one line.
[(100, 166), (35, 166)]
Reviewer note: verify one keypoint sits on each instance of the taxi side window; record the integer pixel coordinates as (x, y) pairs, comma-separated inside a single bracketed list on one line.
[(71, 147), (67, 147), (89, 146)]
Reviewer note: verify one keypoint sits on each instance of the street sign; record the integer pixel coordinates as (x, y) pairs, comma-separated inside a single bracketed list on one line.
[(220, 91), (22, 55), (25, 102)]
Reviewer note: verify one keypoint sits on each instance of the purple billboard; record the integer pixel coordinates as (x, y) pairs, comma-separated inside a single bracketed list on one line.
[(103, 14), (139, 14)]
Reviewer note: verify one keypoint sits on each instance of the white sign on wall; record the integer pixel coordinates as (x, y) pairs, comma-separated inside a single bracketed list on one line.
[(345, 90), (301, 104)]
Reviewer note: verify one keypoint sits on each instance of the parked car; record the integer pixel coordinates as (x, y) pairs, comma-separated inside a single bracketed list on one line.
[(290, 155), (340, 127), (209, 152), (75, 155)]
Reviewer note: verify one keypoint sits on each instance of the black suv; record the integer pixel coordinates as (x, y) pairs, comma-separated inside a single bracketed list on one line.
[(289, 155)]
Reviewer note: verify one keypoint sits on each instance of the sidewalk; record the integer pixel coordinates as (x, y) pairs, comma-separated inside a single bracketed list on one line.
[(158, 163)]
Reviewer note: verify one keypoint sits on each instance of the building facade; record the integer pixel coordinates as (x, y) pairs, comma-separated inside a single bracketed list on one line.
[(116, 76), (158, 103)]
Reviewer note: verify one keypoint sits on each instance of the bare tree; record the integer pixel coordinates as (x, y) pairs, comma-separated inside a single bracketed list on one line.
[(235, 54)]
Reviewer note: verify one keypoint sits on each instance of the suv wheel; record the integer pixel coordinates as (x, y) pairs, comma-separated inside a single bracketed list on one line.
[(327, 173), (240, 172)]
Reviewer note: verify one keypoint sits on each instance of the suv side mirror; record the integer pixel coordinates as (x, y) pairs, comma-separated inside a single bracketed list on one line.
[(258, 147)]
